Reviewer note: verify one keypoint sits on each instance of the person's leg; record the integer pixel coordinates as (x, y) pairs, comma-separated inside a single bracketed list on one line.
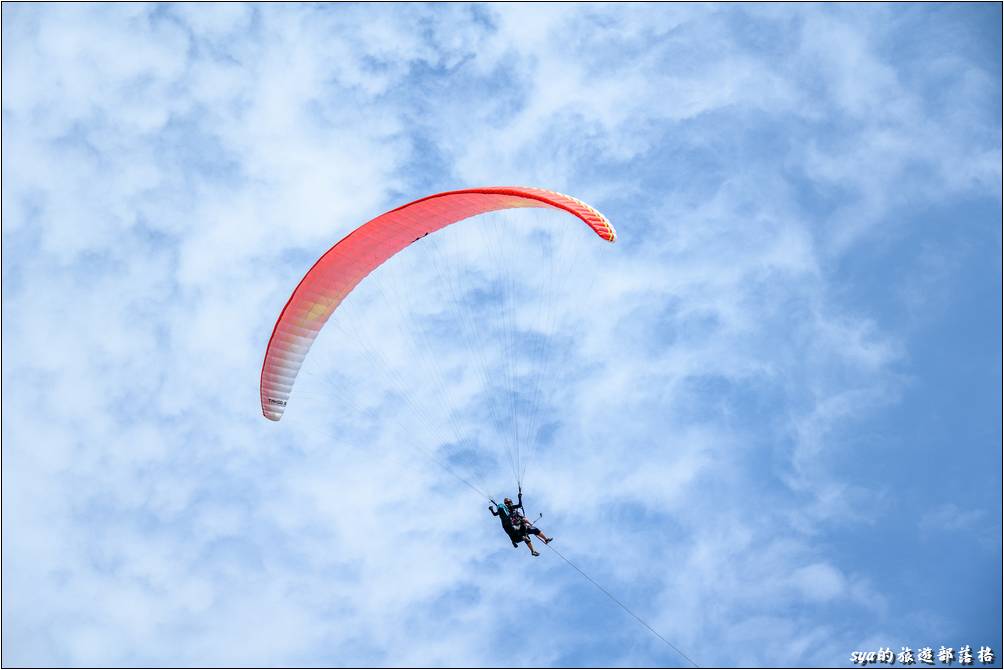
[(530, 545), (539, 533)]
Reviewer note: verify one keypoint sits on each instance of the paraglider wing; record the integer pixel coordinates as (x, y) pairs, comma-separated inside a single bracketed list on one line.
[(347, 263)]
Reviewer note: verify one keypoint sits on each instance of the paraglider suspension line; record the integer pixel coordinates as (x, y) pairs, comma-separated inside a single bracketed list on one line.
[(622, 605)]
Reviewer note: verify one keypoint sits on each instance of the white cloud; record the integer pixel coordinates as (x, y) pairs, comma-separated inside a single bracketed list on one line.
[(952, 518), (170, 173), (819, 581)]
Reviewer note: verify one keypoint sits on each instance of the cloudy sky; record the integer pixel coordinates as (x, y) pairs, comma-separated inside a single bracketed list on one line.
[(768, 419)]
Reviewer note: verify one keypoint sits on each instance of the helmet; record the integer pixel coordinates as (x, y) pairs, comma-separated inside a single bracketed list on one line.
[(507, 501)]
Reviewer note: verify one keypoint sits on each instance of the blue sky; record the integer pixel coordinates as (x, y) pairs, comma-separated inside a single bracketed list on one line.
[(773, 424)]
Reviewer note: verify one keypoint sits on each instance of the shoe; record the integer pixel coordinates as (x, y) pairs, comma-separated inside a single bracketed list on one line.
[(535, 553), (549, 540)]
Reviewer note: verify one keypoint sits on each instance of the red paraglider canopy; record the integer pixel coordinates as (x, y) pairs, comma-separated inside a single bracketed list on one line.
[(347, 263)]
